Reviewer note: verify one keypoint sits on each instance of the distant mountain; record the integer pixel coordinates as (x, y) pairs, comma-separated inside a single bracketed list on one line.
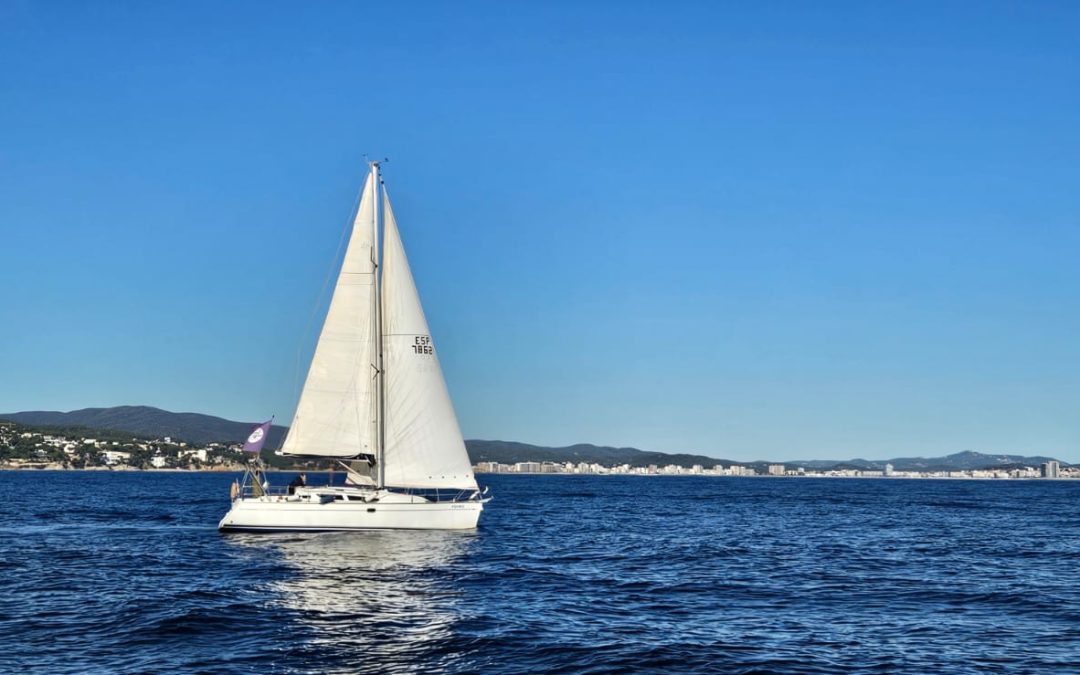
[(960, 461), (508, 452), (197, 428), (145, 421)]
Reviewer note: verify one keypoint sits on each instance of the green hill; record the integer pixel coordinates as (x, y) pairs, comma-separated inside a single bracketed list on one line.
[(148, 422)]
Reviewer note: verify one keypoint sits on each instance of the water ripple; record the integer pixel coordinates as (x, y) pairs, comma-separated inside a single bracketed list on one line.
[(567, 574)]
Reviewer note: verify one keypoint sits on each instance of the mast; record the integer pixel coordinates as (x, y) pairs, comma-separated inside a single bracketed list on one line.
[(380, 387)]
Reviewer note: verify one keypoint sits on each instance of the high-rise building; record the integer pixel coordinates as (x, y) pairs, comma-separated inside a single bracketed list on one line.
[(1051, 469), (776, 469)]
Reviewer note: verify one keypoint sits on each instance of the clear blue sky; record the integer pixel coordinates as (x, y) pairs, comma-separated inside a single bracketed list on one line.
[(754, 230)]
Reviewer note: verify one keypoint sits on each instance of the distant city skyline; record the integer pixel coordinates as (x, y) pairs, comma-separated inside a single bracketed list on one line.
[(787, 232)]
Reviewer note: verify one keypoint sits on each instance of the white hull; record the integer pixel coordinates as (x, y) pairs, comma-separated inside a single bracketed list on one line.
[(322, 510)]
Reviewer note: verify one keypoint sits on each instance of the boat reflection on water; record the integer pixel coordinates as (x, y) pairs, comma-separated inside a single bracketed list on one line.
[(373, 600)]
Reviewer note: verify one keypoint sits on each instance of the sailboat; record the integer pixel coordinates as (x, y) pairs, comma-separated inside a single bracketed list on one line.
[(374, 402)]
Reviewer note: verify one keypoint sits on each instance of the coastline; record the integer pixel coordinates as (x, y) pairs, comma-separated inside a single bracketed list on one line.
[(758, 476), (241, 469), (122, 469), (132, 469)]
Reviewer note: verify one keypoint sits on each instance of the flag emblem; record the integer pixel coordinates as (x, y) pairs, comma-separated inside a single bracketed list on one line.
[(257, 437)]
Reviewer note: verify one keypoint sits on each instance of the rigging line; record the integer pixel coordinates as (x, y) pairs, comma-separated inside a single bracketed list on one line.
[(326, 283)]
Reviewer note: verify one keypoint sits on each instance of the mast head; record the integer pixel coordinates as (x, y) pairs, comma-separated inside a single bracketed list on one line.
[(376, 165)]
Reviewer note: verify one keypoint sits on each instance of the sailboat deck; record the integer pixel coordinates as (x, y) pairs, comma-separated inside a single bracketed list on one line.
[(336, 493)]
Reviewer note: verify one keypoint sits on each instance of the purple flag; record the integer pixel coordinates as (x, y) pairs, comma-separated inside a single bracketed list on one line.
[(258, 435)]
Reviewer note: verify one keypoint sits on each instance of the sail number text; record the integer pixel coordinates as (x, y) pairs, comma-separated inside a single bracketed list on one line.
[(422, 345)]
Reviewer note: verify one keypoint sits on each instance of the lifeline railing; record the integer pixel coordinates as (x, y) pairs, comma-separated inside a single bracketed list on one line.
[(248, 490)]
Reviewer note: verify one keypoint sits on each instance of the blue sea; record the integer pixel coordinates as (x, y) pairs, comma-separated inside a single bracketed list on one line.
[(125, 572)]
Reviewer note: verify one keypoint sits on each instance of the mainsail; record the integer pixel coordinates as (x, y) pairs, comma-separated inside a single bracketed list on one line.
[(336, 413), (423, 444)]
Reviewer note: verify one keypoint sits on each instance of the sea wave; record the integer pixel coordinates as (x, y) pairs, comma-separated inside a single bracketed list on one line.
[(126, 573)]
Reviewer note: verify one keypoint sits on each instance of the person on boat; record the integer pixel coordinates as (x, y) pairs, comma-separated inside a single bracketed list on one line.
[(299, 481), (259, 483)]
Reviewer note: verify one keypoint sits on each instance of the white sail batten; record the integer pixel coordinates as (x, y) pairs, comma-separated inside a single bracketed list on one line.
[(423, 443), (336, 413)]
